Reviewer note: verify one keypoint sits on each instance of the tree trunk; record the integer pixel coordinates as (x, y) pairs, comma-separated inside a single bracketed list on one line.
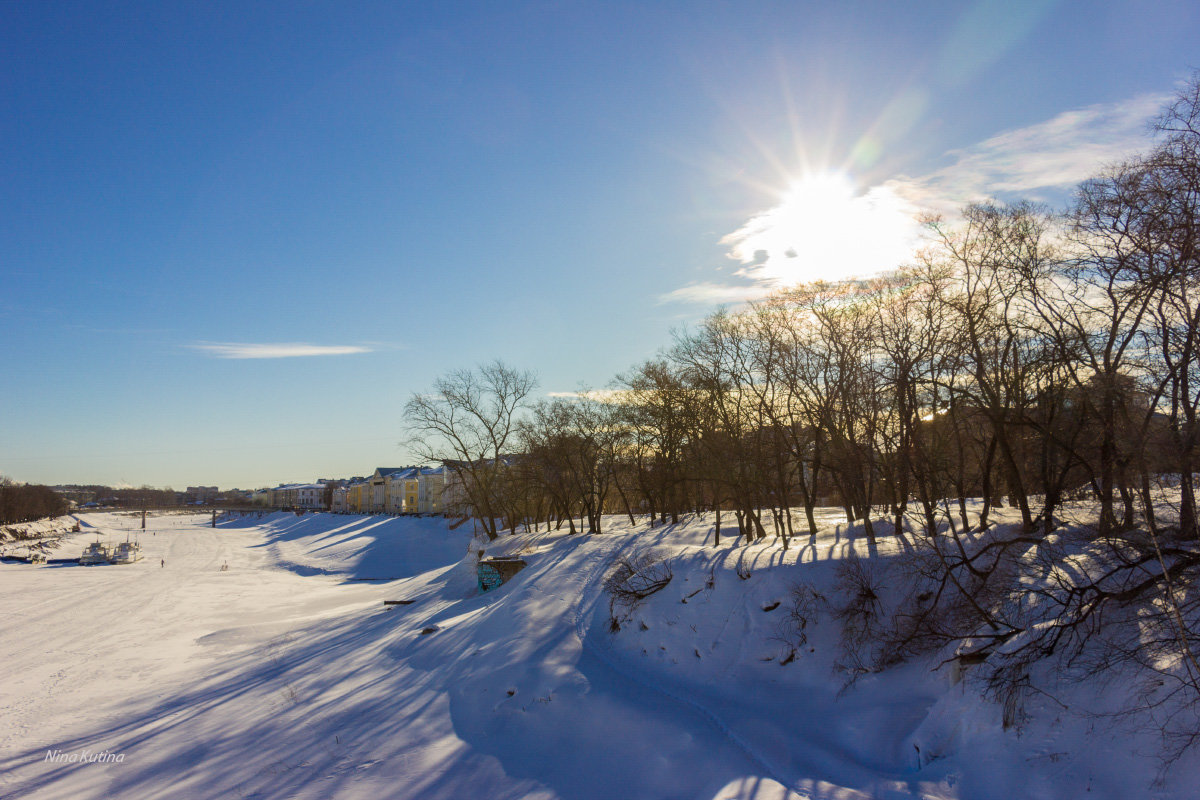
[(717, 512), (1016, 487)]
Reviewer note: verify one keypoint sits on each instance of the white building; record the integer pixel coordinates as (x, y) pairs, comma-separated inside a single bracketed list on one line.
[(431, 483), (340, 500), (299, 495)]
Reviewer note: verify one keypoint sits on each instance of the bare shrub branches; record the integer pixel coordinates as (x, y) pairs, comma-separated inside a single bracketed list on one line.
[(632, 580), (1013, 604)]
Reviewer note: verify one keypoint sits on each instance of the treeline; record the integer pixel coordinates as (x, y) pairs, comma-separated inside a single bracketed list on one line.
[(143, 497), (1026, 357), (28, 503)]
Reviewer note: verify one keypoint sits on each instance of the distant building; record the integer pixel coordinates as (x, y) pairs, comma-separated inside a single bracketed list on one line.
[(200, 494), (356, 496), (379, 484), (431, 485), (299, 495), (401, 490), (340, 499), (388, 490)]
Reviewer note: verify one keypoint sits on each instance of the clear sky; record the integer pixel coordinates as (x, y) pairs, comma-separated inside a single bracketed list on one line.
[(235, 237)]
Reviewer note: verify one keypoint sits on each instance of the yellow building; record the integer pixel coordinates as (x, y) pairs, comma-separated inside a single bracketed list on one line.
[(395, 490), (354, 497), (411, 487), (402, 490)]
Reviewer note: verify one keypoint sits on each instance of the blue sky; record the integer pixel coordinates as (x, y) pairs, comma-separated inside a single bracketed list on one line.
[(235, 237)]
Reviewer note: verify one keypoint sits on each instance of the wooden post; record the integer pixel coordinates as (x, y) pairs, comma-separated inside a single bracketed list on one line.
[(214, 522), (143, 519)]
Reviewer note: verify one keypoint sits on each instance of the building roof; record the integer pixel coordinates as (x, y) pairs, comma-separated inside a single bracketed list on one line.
[(383, 472)]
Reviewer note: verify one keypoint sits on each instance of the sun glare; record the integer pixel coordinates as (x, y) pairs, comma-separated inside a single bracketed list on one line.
[(814, 190), (825, 229)]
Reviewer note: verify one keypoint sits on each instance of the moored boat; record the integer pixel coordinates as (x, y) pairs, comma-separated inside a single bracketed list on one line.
[(95, 553), (126, 553)]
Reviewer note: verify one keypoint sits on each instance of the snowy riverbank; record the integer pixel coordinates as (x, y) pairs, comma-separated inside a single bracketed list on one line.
[(257, 659), (39, 529)]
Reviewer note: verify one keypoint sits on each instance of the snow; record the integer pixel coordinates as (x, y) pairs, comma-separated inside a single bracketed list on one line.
[(285, 675), (42, 527)]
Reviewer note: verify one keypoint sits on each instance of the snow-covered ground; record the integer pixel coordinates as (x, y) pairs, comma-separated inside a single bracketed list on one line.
[(285, 676), (23, 532)]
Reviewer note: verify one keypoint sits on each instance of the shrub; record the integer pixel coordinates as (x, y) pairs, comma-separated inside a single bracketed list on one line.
[(632, 580)]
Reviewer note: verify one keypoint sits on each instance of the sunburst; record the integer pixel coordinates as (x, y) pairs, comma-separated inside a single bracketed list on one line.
[(825, 228)]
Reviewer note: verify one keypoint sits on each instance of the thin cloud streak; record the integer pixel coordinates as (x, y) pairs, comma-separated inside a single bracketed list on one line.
[(714, 293), (599, 395), (1056, 154), (1034, 162), (279, 350)]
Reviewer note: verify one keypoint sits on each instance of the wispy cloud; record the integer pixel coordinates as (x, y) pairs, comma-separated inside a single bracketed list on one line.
[(1056, 154), (375, 346), (823, 228), (714, 294), (279, 350), (600, 395)]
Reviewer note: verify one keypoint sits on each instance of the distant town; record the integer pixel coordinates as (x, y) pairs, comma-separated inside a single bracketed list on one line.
[(387, 490)]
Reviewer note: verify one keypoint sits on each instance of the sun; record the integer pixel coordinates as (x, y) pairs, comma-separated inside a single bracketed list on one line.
[(818, 207), (825, 228), (812, 192)]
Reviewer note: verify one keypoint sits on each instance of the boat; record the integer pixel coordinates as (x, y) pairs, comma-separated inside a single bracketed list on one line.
[(95, 553), (126, 553)]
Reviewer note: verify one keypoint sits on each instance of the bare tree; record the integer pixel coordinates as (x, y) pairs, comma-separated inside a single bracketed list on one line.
[(573, 446), (988, 253), (658, 412), (468, 423), (714, 362), (852, 414), (1170, 236)]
